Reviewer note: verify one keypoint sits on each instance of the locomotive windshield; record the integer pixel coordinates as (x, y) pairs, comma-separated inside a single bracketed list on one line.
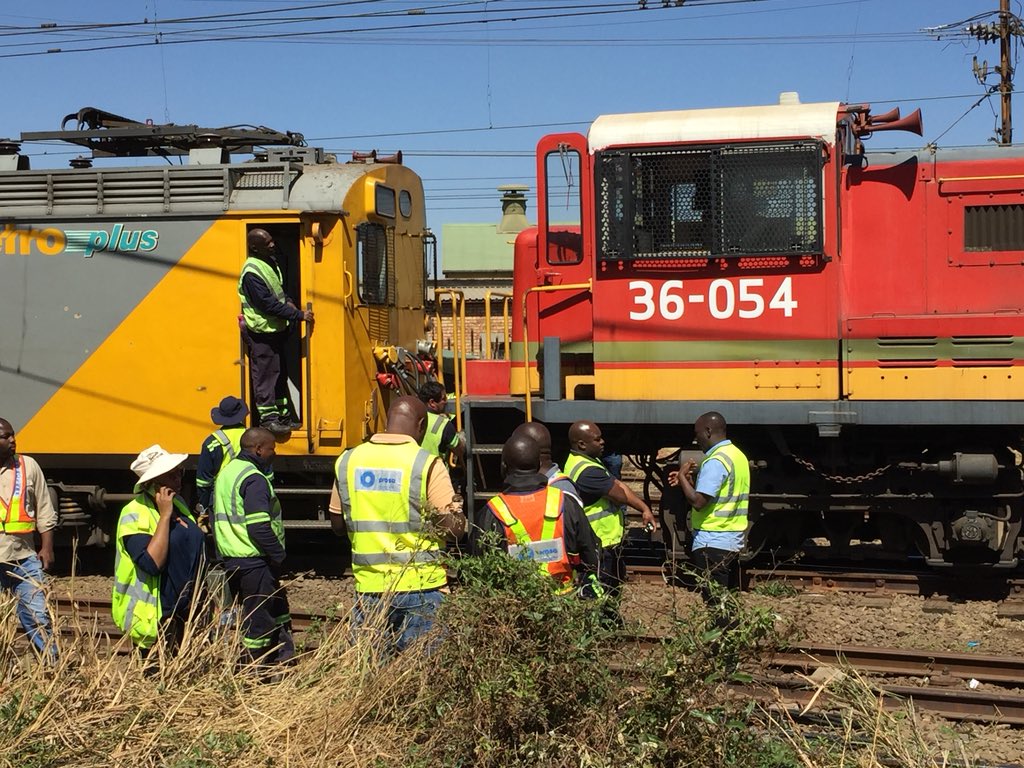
[(698, 202)]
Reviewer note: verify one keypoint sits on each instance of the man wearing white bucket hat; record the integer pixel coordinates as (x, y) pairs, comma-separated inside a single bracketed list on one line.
[(159, 553)]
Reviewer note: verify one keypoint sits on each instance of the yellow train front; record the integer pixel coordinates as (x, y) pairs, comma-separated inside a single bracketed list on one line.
[(119, 311)]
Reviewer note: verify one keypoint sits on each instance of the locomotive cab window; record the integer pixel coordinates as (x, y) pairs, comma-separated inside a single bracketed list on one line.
[(372, 263), (562, 183), (384, 201), (733, 200)]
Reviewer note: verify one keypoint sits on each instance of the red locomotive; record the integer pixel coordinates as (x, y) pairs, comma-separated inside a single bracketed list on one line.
[(856, 316)]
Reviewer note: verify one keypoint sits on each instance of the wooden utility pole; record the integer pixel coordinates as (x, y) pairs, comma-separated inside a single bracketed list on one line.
[(1007, 28), (1005, 73)]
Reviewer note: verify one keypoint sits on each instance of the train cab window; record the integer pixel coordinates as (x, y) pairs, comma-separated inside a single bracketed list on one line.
[(372, 263), (562, 183), (405, 203), (709, 201), (384, 200)]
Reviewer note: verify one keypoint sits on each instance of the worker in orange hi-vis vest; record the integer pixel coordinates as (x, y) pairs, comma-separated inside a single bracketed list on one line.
[(26, 509)]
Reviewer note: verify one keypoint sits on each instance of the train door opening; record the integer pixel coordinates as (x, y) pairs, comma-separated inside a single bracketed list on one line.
[(287, 239)]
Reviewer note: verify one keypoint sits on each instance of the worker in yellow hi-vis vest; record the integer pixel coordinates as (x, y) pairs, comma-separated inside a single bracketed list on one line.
[(267, 311), (441, 437), (396, 504), (604, 500), (718, 498)]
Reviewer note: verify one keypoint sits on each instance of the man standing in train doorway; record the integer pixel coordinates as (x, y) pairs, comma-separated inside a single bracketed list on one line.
[(718, 499), (267, 311)]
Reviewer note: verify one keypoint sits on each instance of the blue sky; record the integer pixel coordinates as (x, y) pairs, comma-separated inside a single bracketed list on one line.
[(368, 74)]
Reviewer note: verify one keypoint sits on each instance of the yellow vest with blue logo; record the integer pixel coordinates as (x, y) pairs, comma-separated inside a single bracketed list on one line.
[(254, 320), (727, 512), (230, 522), (606, 518), (135, 601), (383, 491)]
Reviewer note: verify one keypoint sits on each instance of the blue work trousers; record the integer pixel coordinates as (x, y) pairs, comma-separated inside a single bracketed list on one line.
[(397, 619), (25, 579)]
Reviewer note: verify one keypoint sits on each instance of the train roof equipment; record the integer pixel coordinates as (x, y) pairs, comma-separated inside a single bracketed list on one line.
[(283, 173), (110, 135)]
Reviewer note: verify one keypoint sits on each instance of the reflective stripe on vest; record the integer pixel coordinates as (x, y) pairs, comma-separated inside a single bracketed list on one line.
[(539, 512), (383, 491), (271, 276), (605, 517), (19, 515), (135, 599), (230, 522), (436, 424), (727, 512), (230, 443)]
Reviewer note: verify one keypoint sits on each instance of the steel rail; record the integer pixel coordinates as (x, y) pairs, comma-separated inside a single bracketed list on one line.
[(975, 706), (884, 582), (999, 670), (92, 608)]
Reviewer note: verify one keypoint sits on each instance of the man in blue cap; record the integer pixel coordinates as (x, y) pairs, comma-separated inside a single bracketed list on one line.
[(220, 447)]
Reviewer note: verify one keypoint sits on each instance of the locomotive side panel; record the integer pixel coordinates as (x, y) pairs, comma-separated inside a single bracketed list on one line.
[(110, 346), (930, 274), (715, 281)]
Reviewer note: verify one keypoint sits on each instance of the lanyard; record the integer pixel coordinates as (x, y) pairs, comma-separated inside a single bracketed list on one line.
[(19, 479)]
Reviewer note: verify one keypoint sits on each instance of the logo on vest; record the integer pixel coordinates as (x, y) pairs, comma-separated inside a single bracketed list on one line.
[(543, 551), (383, 480)]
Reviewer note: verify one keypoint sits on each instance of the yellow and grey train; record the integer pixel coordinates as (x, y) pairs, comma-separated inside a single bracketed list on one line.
[(119, 311)]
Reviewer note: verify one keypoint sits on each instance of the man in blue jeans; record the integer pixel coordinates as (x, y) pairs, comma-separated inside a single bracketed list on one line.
[(25, 509), (396, 503)]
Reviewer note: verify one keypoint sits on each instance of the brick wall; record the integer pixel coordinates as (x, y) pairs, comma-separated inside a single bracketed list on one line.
[(475, 329)]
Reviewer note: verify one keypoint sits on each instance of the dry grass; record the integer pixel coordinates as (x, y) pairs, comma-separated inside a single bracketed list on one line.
[(196, 708), (518, 679)]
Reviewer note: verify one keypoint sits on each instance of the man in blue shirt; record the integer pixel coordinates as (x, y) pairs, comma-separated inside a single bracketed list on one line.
[(718, 499)]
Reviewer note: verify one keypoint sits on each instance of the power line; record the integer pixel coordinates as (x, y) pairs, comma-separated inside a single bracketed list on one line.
[(516, 16)]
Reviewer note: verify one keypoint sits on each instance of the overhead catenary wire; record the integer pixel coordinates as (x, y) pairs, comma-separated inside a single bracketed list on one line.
[(169, 36)]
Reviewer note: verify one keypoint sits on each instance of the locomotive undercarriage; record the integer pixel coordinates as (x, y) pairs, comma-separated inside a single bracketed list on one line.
[(886, 494), (88, 493), (938, 496)]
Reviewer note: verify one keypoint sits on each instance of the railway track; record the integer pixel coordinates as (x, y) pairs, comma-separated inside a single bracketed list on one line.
[(948, 678), (999, 588), (785, 678)]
